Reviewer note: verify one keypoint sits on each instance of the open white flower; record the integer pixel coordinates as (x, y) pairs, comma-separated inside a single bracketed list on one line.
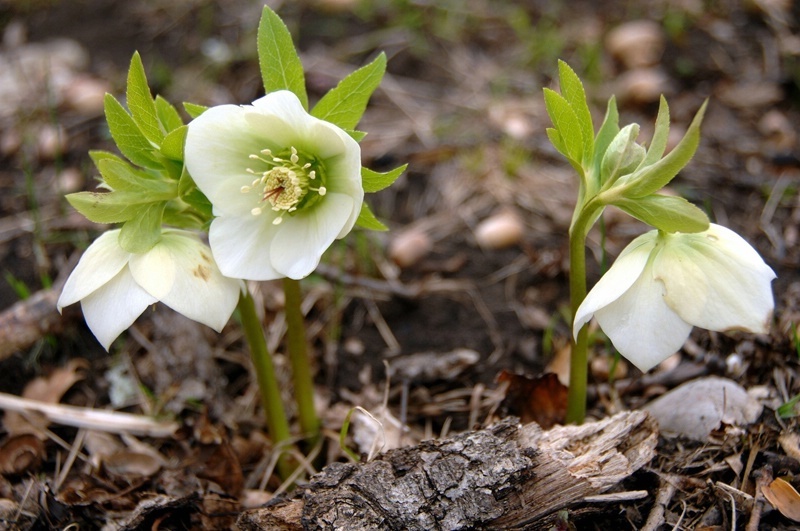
[(114, 286), (664, 284), (283, 185)]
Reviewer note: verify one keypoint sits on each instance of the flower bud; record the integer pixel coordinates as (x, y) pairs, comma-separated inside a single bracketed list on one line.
[(623, 154)]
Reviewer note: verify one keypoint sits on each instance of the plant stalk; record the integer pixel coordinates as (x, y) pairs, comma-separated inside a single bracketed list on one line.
[(298, 356), (268, 386)]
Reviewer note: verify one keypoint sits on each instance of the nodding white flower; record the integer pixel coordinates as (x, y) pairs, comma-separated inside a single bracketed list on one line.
[(114, 286), (283, 185), (663, 284)]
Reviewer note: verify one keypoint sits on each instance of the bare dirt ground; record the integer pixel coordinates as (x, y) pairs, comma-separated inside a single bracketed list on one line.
[(462, 104)]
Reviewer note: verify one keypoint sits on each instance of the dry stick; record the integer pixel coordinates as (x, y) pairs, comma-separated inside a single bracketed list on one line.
[(763, 478), (91, 419), (665, 493)]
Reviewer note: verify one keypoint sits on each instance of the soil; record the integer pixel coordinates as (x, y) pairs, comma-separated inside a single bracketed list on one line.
[(462, 104)]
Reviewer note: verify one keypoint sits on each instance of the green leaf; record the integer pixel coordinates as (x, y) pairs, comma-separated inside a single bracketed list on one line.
[(172, 146), (168, 116), (623, 155), (367, 220), (140, 102), (567, 124), (608, 130), (573, 91), (358, 136), (129, 138), (650, 179), (344, 105), (98, 154), (667, 213), (114, 207), (374, 181), (660, 136), (280, 65), (192, 195), (121, 176), (141, 233), (193, 109)]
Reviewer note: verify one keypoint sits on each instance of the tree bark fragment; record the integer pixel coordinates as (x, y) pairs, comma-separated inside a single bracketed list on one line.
[(504, 477)]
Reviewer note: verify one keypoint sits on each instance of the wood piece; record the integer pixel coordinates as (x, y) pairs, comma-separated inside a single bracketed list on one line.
[(504, 477), (28, 320)]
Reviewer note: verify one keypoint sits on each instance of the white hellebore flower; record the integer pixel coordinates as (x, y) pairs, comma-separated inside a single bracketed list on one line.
[(114, 286), (283, 185), (664, 284)]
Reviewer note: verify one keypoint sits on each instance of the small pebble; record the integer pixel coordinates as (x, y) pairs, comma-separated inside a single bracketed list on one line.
[(409, 247), (86, 94), (636, 44), (643, 85), (51, 141), (499, 231)]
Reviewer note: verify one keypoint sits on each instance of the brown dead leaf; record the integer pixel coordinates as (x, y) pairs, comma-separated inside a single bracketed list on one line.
[(21, 454), (542, 400), (783, 497), (48, 389)]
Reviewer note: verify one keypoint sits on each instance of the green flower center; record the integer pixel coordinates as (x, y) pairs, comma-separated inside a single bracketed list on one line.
[(285, 182)]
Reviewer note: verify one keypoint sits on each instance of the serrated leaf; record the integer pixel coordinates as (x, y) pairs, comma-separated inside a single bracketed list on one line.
[(567, 124), (573, 91), (650, 179), (140, 102), (280, 65), (98, 154), (660, 136), (344, 105), (141, 233), (168, 115), (605, 135), (667, 213), (129, 138), (121, 176), (358, 136), (114, 207), (193, 109), (193, 196), (374, 181), (367, 220), (172, 146)]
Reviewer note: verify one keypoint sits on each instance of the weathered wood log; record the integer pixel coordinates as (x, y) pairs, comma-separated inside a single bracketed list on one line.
[(504, 477)]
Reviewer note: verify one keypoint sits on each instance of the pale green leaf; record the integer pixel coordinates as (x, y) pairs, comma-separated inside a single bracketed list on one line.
[(374, 181), (193, 109), (280, 65), (607, 132), (667, 213), (114, 207), (127, 135), (567, 124), (172, 146), (660, 136), (121, 176), (573, 91), (367, 220), (140, 102), (344, 105), (141, 233), (168, 115), (358, 136), (650, 179)]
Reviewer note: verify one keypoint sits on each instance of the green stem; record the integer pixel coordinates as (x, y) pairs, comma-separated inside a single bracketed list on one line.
[(579, 361), (298, 356), (267, 382)]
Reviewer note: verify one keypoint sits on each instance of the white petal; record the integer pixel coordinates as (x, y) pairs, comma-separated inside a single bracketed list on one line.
[(114, 307), (641, 325), (199, 292), (301, 239), (618, 279), (716, 280), (241, 246), (219, 143), (155, 270), (100, 263), (344, 176)]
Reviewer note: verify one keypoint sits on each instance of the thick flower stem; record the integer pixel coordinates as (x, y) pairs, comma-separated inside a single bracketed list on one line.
[(277, 423), (579, 362), (298, 356)]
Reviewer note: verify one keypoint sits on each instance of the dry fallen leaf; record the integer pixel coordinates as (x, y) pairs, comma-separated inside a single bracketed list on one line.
[(542, 400), (783, 497), (48, 389)]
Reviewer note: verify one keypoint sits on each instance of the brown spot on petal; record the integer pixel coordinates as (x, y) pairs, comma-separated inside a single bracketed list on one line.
[(202, 272)]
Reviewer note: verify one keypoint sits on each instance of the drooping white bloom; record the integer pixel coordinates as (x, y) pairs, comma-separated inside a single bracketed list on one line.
[(283, 185), (663, 284), (114, 286)]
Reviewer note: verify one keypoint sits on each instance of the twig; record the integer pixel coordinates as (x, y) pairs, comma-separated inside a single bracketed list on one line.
[(665, 493), (763, 478), (91, 419)]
